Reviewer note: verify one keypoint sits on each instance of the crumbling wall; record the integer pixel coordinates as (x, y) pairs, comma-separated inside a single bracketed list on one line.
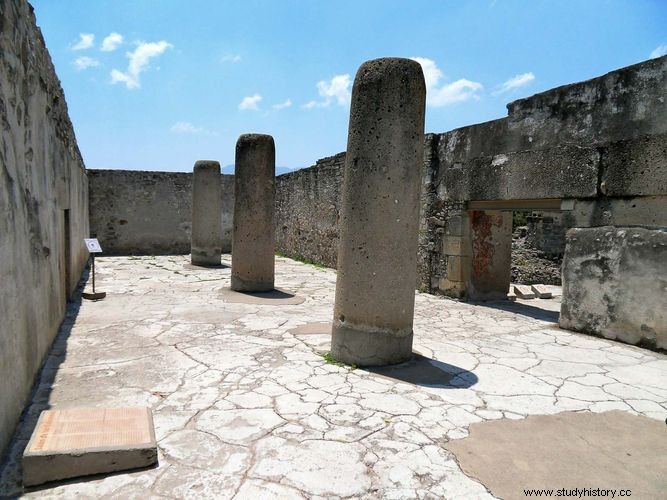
[(43, 208), (614, 282), (601, 142), (149, 213)]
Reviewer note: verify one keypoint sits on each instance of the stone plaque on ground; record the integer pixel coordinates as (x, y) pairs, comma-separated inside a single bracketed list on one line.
[(541, 291), (524, 292), (83, 441)]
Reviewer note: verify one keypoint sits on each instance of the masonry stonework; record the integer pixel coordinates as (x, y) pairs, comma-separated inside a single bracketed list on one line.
[(43, 208), (149, 213)]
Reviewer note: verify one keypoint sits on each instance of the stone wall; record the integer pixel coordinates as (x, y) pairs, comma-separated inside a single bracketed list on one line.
[(149, 213), (43, 208), (307, 206), (614, 282), (600, 144)]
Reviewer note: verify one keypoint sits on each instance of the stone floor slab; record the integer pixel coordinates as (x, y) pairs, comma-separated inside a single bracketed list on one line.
[(246, 404)]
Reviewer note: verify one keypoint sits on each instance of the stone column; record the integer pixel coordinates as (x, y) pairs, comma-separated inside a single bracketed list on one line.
[(254, 200), (379, 219), (206, 240)]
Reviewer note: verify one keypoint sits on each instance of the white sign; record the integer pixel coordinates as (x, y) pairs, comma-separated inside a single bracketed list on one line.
[(93, 245)]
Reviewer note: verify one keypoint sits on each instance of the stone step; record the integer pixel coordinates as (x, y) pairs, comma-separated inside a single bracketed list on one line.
[(524, 292), (541, 291)]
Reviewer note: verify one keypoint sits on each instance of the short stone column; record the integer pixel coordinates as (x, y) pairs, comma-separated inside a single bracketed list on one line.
[(206, 240), (253, 234), (379, 218)]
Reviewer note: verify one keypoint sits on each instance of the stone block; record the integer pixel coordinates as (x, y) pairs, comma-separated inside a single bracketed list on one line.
[(511, 296), (524, 292), (541, 291), (455, 268), (614, 282), (453, 245), (84, 441), (635, 167)]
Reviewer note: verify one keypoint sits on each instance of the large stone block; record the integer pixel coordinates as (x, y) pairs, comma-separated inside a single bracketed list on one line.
[(635, 167), (615, 282), (559, 172)]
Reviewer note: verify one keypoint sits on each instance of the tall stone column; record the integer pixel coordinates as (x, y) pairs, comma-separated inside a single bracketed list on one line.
[(254, 200), (206, 240), (379, 219)]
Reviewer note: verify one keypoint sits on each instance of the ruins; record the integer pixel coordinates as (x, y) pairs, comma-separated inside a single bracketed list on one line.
[(427, 382), (253, 265), (377, 258), (205, 249)]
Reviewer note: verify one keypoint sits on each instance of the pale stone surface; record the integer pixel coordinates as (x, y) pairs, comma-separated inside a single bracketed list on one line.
[(524, 292), (541, 291), (245, 406)]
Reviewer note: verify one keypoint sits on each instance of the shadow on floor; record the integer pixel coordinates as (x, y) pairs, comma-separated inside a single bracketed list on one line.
[(532, 311), (427, 372), (11, 485)]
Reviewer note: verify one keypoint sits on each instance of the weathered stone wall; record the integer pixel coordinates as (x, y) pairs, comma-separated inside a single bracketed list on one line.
[(307, 206), (546, 232), (599, 143), (43, 208), (149, 213), (614, 282)]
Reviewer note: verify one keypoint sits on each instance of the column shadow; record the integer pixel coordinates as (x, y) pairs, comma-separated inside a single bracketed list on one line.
[(427, 372), (523, 309)]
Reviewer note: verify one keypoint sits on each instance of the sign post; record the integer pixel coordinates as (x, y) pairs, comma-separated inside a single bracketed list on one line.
[(93, 247)]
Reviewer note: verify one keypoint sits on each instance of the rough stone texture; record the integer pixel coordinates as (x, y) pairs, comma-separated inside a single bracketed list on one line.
[(577, 450), (486, 268), (614, 282), (636, 167), (253, 237), (149, 213), (559, 172), (84, 441), (377, 259), (546, 232), (245, 405), (307, 207), (589, 140), (206, 242), (43, 208)]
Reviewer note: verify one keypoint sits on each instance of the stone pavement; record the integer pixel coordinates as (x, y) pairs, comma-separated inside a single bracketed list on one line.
[(246, 405)]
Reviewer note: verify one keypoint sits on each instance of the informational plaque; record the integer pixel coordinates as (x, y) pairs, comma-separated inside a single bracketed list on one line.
[(93, 245)]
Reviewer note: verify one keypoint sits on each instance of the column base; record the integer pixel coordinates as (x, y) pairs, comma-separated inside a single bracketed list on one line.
[(369, 348), (239, 285)]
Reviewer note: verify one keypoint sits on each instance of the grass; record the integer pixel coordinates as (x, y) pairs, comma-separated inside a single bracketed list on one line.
[(303, 260), (329, 359)]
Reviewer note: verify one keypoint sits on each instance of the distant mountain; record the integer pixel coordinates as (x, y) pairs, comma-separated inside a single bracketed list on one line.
[(229, 169)]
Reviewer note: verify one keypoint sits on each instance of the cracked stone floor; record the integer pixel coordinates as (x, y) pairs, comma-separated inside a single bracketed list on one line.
[(245, 405)]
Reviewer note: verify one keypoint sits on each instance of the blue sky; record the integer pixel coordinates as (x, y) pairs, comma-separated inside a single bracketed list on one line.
[(159, 84)]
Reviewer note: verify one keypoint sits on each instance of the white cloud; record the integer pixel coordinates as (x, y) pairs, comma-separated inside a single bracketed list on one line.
[(85, 62), (189, 128), (283, 105), (514, 83), (231, 58), (139, 60), (111, 42), (86, 41), (442, 94), (250, 102), (338, 89), (659, 51)]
